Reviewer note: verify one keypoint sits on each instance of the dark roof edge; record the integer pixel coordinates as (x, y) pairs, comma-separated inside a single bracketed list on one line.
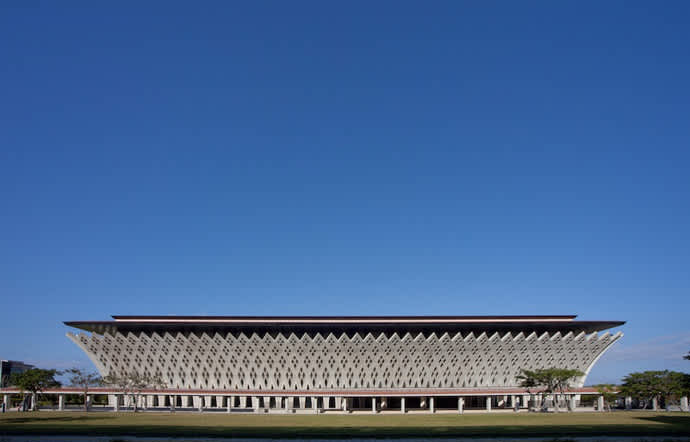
[(310, 318)]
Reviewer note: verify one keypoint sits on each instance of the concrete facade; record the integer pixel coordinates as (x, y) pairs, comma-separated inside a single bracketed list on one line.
[(333, 357)]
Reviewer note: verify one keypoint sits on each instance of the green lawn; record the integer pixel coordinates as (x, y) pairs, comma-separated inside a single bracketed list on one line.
[(329, 426)]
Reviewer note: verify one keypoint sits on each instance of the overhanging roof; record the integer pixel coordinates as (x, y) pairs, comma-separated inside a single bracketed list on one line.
[(343, 324)]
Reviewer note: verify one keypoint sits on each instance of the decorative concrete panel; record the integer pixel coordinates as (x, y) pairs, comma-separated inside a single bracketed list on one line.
[(298, 363)]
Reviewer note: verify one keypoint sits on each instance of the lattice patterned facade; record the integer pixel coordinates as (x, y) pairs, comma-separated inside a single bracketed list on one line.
[(385, 361)]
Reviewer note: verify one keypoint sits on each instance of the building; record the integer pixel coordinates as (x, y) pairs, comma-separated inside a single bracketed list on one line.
[(8, 368), (319, 361)]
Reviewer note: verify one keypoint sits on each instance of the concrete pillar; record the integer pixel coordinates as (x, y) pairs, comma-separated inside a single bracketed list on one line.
[(655, 404), (461, 404), (201, 404), (34, 402), (255, 403), (150, 400), (525, 401), (431, 405), (267, 402), (161, 400), (402, 405), (600, 403), (684, 404), (173, 402), (573, 402), (343, 403), (243, 401), (488, 403), (373, 405), (628, 403), (314, 404)]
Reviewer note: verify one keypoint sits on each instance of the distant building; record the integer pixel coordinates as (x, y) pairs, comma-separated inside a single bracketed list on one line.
[(8, 368)]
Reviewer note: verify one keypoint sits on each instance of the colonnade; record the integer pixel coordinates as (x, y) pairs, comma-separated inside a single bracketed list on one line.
[(320, 404)]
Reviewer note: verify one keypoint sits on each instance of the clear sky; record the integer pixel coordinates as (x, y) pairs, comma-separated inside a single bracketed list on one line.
[(352, 158)]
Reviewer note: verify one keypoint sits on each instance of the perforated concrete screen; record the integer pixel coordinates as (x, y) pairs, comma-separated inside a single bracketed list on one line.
[(264, 358)]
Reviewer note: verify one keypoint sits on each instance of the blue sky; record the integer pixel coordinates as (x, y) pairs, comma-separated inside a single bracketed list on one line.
[(309, 158)]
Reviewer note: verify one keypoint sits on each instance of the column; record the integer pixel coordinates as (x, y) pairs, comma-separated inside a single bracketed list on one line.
[(201, 404), (373, 405), (173, 402), (255, 403), (684, 404), (314, 404), (600, 403), (488, 403), (243, 401), (461, 404), (61, 402), (573, 402), (402, 405), (150, 400), (267, 402), (431, 405), (34, 403), (628, 402), (116, 403), (525, 401), (302, 402), (228, 404), (339, 402), (343, 403)]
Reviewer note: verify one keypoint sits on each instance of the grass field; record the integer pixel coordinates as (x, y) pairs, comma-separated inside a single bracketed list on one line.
[(343, 426)]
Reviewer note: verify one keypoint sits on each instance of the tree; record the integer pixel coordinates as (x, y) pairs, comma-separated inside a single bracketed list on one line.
[(551, 380), (608, 392), (132, 384), (687, 356), (34, 381), (84, 379), (651, 385), (528, 379)]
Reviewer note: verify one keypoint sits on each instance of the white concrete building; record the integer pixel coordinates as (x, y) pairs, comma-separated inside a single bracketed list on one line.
[(361, 362)]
